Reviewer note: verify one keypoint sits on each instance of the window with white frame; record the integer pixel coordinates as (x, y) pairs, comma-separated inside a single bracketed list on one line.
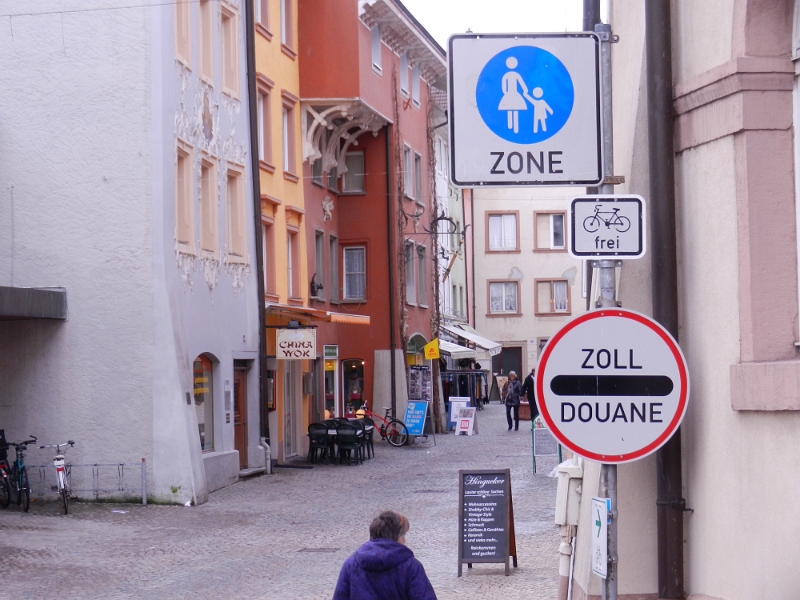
[(355, 273), (503, 297), (549, 232), (288, 127), (502, 229), (404, 74), (415, 82), (353, 177), (293, 263), (375, 32), (411, 280), (262, 13), (287, 25), (552, 296), (408, 173), (417, 177), (422, 283), (268, 256)]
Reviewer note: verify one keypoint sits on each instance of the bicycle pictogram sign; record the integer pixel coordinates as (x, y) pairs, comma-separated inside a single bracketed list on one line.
[(610, 219), (607, 226)]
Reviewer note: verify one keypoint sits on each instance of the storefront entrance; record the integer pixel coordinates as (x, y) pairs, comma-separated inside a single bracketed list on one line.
[(240, 415), (353, 383), (291, 407)]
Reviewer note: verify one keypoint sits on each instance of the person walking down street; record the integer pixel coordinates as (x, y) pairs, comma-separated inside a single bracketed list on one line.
[(529, 391), (512, 400), (384, 568)]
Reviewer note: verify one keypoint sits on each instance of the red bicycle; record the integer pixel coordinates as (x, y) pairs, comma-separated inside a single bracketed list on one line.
[(392, 430)]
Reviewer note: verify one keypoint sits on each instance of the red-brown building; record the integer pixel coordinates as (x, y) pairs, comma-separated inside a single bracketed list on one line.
[(366, 67)]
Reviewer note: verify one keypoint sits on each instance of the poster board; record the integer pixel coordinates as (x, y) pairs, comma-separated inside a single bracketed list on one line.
[(485, 518), (465, 420), (544, 444), (416, 413), (420, 386), (456, 402)]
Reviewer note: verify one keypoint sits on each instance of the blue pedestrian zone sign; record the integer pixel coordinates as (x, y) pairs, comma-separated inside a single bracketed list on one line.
[(525, 109), (525, 94), (416, 410)]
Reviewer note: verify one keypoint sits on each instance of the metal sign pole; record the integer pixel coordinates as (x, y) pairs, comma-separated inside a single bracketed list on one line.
[(608, 290)]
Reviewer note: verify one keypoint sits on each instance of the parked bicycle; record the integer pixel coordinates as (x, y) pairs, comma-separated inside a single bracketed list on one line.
[(62, 473), (18, 477), (392, 430), (615, 220)]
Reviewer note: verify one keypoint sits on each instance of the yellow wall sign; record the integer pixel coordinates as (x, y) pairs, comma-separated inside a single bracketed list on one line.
[(431, 349)]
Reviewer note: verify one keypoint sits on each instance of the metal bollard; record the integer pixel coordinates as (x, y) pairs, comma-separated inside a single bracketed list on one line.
[(144, 482)]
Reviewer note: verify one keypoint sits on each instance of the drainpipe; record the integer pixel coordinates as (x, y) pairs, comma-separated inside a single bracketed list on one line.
[(591, 17), (390, 245), (262, 330), (663, 253)]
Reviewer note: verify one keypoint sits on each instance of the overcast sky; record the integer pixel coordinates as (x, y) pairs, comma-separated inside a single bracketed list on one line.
[(443, 18)]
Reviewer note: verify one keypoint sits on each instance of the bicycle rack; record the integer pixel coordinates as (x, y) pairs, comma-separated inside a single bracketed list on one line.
[(107, 480)]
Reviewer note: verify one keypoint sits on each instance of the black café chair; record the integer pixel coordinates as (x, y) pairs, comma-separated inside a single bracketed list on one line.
[(349, 439), (369, 429), (317, 441)]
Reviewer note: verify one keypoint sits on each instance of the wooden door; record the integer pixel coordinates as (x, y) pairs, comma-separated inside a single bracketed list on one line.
[(240, 415)]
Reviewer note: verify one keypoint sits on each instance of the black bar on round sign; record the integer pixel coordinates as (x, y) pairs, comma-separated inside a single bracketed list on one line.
[(611, 385)]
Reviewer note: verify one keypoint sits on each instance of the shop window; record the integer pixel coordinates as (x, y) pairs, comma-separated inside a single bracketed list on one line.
[(503, 297), (229, 27), (237, 219), (415, 82), (333, 269), (207, 41), (422, 289), (183, 32), (209, 207), (411, 281), (549, 233), (355, 273), (184, 200), (502, 232), (552, 296), (353, 177), (353, 384), (375, 33), (204, 401)]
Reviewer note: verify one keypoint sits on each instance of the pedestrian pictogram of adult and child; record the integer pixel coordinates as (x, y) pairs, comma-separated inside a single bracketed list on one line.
[(524, 94), (515, 94)]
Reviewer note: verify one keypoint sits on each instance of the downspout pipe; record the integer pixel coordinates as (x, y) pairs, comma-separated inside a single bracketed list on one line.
[(250, 42), (390, 258), (591, 17), (663, 253)]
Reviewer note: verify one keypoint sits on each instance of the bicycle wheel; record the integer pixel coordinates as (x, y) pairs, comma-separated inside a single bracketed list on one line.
[(396, 433), (5, 492), (591, 224), (25, 491), (64, 498), (622, 224)]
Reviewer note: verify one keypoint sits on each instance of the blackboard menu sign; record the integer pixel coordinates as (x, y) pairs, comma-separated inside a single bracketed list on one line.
[(486, 518)]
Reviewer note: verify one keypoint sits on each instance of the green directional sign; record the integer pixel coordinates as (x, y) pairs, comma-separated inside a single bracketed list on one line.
[(600, 537)]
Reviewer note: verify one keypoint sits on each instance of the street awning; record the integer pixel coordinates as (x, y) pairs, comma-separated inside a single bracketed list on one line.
[(315, 314), (455, 351), (491, 347)]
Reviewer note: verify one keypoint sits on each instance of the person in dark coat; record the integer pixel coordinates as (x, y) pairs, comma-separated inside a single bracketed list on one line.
[(512, 400), (384, 568), (529, 391)]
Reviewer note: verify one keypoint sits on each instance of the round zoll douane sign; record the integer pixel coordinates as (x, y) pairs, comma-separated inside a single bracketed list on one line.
[(612, 385)]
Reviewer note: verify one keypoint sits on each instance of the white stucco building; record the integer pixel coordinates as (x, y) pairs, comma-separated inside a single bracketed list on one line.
[(526, 284), (127, 182)]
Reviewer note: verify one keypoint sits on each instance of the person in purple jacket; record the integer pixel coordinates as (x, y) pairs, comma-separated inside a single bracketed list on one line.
[(384, 568)]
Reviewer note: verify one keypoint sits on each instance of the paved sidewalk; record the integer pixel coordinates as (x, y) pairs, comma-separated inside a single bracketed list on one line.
[(285, 536)]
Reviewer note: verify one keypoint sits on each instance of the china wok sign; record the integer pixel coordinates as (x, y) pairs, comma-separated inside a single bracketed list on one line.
[(295, 344)]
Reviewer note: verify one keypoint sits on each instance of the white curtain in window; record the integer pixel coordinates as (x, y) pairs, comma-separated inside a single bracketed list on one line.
[(510, 300), (560, 296), (502, 232), (509, 231), (355, 276), (495, 232), (495, 297)]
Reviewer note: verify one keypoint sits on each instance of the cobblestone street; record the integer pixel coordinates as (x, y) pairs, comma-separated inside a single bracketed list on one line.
[(285, 536)]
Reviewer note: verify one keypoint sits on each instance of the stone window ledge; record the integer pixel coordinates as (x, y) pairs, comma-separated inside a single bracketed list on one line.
[(766, 385)]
